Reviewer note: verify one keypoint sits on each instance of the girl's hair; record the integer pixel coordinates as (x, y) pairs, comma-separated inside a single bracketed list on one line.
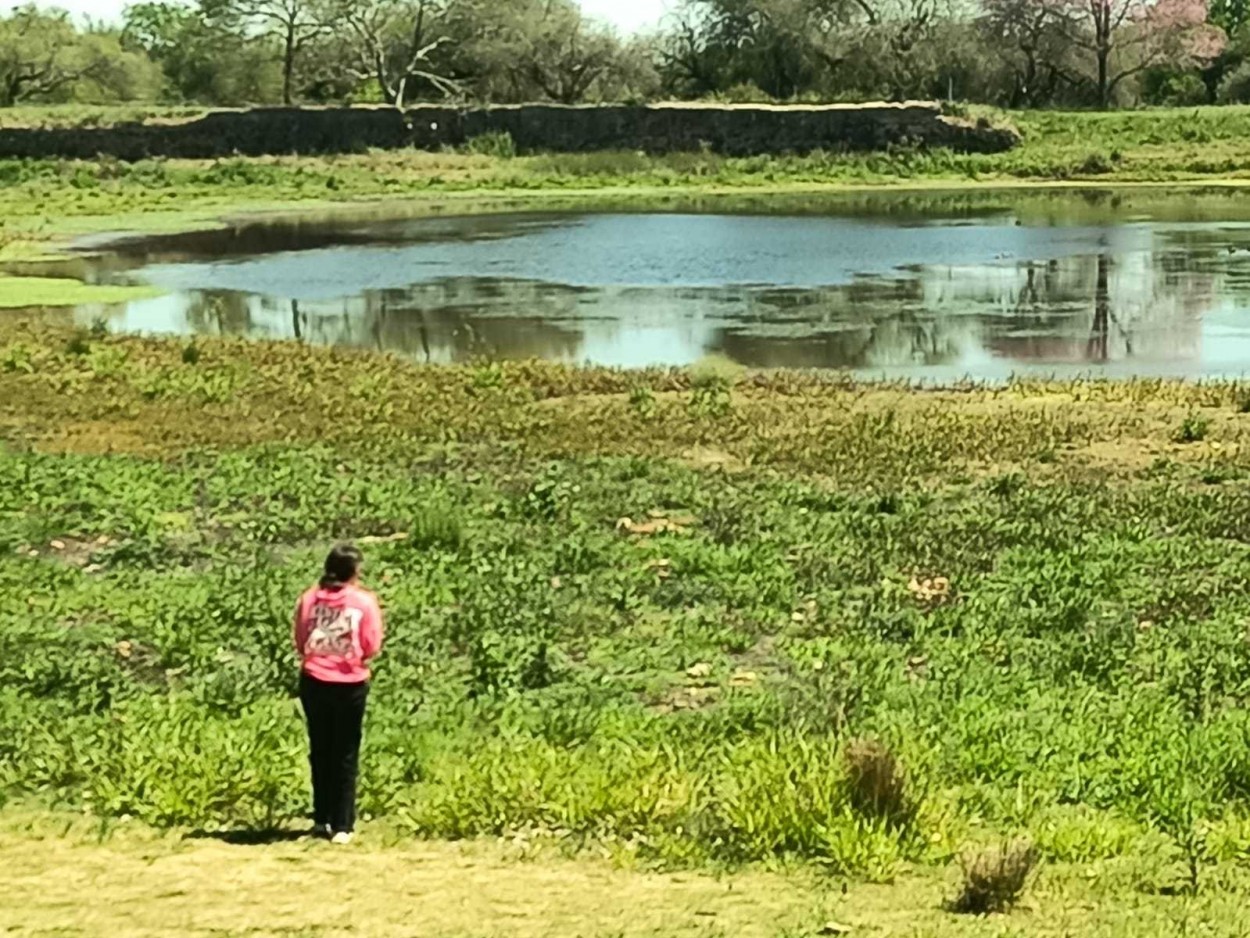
[(342, 566)]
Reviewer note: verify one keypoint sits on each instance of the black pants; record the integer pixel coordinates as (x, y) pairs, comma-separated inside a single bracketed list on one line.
[(335, 714)]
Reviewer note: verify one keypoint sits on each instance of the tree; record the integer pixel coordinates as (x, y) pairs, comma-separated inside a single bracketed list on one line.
[(294, 23), (1126, 37), (43, 57), (117, 75), (783, 47), (1028, 37), (1230, 15), (633, 76), (397, 43), (811, 48), (904, 26), (562, 54), (527, 50), (202, 58), (689, 64), (38, 55)]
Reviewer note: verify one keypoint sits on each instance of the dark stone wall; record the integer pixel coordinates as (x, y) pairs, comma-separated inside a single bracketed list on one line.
[(732, 130)]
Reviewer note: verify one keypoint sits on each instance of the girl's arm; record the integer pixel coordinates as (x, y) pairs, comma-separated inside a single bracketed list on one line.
[(371, 630), (298, 631)]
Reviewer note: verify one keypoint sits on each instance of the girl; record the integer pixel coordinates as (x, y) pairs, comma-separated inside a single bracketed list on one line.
[(338, 629)]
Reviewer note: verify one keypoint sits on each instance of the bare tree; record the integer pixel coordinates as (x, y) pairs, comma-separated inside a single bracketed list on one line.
[(396, 42)]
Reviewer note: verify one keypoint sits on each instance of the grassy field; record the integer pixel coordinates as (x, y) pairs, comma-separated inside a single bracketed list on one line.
[(675, 619)]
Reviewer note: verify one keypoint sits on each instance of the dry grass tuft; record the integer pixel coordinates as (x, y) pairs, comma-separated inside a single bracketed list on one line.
[(994, 878), (878, 783)]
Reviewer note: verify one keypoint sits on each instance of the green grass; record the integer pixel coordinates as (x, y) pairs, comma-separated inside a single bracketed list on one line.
[(1034, 598), (17, 292)]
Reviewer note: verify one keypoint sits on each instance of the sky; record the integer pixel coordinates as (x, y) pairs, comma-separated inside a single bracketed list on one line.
[(627, 15)]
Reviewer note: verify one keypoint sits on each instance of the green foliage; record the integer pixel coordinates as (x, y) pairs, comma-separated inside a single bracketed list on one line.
[(878, 784), (79, 343), (1230, 15), (1235, 86), (437, 526), (44, 58), (1193, 429), (711, 383), (1184, 90), (241, 172), (642, 400), (711, 398), (499, 145), (204, 58)]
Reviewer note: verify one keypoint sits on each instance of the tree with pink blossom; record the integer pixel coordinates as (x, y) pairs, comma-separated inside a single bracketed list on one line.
[(1122, 38)]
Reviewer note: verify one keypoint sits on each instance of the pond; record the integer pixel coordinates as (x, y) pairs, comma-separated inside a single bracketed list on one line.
[(934, 287)]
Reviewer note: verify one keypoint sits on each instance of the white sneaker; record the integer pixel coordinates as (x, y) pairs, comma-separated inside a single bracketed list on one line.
[(319, 830), (341, 838)]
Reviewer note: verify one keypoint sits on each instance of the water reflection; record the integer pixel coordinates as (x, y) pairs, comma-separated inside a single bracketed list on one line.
[(982, 294)]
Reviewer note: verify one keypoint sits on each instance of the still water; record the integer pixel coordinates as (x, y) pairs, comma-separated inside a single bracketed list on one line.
[(923, 287)]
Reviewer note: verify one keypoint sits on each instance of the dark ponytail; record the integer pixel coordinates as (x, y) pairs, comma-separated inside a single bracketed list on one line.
[(342, 566)]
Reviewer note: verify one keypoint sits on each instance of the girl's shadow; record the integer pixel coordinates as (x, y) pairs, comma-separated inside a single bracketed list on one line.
[(252, 837)]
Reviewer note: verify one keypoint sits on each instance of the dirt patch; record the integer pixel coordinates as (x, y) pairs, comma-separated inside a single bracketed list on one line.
[(706, 457), (74, 552), (1118, 456)]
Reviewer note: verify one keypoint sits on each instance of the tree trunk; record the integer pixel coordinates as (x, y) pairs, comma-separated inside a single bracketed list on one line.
[(389, 93), (10, 91), (1104, 88), (1097, 348), (1102, 49), (1212, 76), (288, 66), (1030, 76)]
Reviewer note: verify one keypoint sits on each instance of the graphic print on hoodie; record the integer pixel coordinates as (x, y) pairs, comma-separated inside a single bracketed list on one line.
[(334, 631), (337, 631)]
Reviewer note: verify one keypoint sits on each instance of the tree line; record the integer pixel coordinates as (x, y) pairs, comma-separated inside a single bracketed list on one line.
[(1012, 53)]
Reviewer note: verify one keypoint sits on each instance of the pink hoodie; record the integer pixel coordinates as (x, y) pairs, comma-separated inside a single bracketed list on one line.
[(337, 631)]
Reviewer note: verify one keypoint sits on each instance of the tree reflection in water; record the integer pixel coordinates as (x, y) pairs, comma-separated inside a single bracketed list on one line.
[(1088, 309)]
